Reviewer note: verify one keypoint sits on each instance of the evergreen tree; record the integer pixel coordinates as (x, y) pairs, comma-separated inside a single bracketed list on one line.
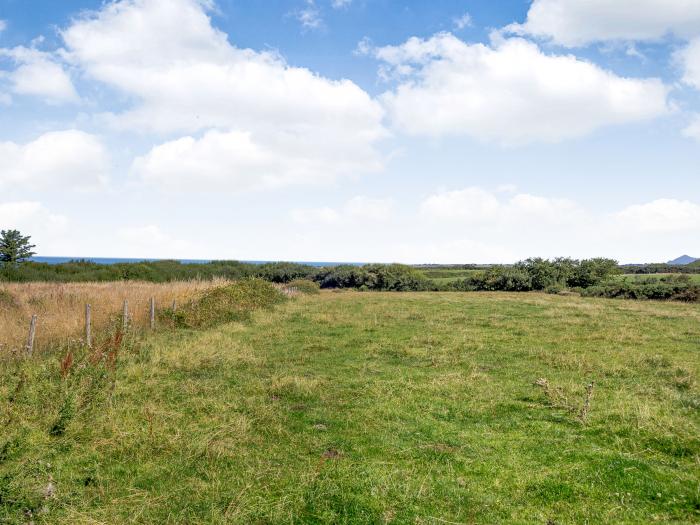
[(14, 247)]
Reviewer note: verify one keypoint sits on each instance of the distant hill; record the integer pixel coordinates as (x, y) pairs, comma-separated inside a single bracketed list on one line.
[(683, 260)]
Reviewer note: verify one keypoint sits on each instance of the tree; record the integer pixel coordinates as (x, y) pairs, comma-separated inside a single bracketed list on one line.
[(14, 247)]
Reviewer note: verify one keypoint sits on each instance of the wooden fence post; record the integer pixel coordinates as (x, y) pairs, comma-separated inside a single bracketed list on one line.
[(125, 316), (174, 305), (88, 338), (153, 313), (32, 332)]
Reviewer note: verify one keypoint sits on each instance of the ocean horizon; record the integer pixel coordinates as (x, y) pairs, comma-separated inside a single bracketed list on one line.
[(117, 260)]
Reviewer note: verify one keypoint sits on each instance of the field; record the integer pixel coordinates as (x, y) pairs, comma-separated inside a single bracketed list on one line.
[(351, 407), (446, 275), (694, 277), (60, 308)]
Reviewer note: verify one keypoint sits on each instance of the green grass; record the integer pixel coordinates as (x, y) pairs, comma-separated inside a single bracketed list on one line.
[(448, 275), (371, 408), (694, 277)]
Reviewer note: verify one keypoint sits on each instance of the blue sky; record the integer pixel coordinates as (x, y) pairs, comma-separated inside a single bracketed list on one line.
[(363, 130)]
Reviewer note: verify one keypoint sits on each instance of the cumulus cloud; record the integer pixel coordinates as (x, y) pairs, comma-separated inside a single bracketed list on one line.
[(689, 58), (31, 216), (692, 131), (479, 206), (340, 4), (287, 123), (61, 159), (662, 216), (151, 241), (239, 161), (39, 74), (581, 22), (509, 92)]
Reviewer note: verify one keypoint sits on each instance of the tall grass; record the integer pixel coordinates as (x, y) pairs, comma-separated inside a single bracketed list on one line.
[(60, 307)]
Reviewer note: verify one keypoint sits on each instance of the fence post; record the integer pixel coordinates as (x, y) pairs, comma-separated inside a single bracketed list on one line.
[(32, 332), (88, 338), (125, 316), (174, 305), (153, 313)]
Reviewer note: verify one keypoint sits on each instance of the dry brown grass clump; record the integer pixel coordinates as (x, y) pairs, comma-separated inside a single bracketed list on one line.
[(60, 307)]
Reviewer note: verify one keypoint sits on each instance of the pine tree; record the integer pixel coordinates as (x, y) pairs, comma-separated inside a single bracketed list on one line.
[(14, 247)]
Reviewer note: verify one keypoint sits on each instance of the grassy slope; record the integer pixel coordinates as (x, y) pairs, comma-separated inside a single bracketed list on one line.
[(377, 408)]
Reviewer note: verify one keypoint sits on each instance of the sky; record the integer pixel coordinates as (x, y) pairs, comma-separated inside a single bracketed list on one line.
[(352, 130)]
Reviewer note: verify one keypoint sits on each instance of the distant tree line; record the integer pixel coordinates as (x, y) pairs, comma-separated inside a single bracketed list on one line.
[(541, 274), (661, 268), (591, 277)]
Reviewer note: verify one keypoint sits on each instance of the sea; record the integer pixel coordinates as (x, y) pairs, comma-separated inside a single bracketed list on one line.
[(116, 260)]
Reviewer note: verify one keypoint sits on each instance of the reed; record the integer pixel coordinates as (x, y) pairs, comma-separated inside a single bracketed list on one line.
[(60, 308)]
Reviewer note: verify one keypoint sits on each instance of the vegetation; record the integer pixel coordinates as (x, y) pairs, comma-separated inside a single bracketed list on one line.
[(304, 286), (661, 268), (535, 274), (367, 408), (224, 304), (541, 274), (671, 287), (60, 308), (14, 247)]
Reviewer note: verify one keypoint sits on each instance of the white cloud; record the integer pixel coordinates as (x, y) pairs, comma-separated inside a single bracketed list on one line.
[(39, 74), (462, 22), (31, 217), (510, 92), (689, 58), (48, 230), (692, 131), (366, 208), (309, 16), (68, 159), (151, 241), (187, 78), (340, 4), (357, 210), (662, 216), (239, 161), (478, 206), (3, 25), (580, 22)]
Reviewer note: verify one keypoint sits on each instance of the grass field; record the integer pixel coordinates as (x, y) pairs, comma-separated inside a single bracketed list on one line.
[(60, 307), (447, 275), (372, 408), (694, 277)]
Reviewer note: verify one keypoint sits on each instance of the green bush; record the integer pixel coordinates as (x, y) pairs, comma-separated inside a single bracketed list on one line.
[(234, 302), (672, 288), (305, 286)]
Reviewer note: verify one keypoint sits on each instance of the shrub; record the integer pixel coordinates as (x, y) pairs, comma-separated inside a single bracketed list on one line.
[(234, 302), (673, 288), (305, 286), (284, 272)]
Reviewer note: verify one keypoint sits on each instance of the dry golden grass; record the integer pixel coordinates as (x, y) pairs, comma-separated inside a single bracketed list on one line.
[(60, 307)]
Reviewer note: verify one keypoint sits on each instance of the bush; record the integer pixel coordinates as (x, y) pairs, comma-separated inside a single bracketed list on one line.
[(284, 272), (305, 286), (672, 288), (234, 302)]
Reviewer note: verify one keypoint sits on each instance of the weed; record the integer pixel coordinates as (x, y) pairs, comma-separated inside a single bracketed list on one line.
[(557, 399)]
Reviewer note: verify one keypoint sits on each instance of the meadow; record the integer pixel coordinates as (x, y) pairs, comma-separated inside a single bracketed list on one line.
[(60, 308), (694, 277), (368, 407)]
